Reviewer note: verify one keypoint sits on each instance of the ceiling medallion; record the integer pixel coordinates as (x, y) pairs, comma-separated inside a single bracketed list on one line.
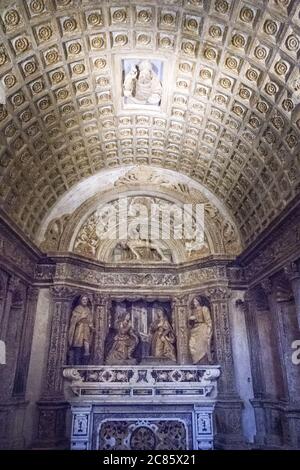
[(21, 44), (270, 27), (69, 25), (252, 75), (215, 31), (191, 24), (94, 19), (281, 68), (9, 80), (292, 43), (210, 53), (144, 16), (260, 53), (12, 18), (37, 6), (246, 15), (100, 63), (51, 56), (231, 63), (119, 16), (221, 6)]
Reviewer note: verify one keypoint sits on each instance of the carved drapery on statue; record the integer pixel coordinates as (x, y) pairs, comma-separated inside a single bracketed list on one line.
[(200, 332), (163, 337), (124, 342), (80, 332), (142, 84)]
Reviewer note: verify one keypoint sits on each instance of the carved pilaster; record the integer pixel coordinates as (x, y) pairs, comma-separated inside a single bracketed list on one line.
[(101, 327), (180, 311), (12, 286), (271, 293), (52, 407), (248, 307), (292, 272), (26, 342), (61, 302), (223, 349)]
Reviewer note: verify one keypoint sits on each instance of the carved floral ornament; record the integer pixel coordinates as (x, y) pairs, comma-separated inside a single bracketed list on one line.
[(233, 68)]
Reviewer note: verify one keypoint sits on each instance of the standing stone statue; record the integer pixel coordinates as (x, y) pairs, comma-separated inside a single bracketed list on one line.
[(163, 337), (80, 332), (200, 332)]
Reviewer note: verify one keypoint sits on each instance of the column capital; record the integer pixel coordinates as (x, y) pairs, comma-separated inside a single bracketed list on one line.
[(100, 299), (217, 294), (292, 271), (266, 285), (33, 293), (180, 300), (241, 304), (60, 293), (13, 284)]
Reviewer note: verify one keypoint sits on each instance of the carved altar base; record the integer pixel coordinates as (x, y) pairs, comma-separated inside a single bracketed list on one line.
[(142, 407)]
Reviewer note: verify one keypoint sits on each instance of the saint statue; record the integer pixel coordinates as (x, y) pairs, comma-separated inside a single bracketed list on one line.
[(163, 337), (200, 332), (80, 331), (142, 85), (124, 342)]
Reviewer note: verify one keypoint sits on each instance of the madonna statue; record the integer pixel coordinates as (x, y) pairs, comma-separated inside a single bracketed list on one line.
[(163, 337), (200, 332), (124, 342)]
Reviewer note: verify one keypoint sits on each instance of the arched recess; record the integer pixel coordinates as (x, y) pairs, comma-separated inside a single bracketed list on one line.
[(220, 235)]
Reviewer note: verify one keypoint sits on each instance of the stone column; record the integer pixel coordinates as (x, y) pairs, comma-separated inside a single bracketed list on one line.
[(52, 405), (13, 284), (3, 294), (292, 272), (249, 308), (241, 359), (180, 315), (26, 342), (270, 292), (101, 326), (281, 423), (228, 411)]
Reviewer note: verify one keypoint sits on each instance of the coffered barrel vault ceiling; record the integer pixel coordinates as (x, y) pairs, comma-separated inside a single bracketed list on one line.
[(229, 113)]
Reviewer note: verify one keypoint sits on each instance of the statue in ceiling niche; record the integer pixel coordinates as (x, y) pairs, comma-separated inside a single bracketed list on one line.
[(124, 341), (162, 337), (80, 332), (200, 324), (142, 85)]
